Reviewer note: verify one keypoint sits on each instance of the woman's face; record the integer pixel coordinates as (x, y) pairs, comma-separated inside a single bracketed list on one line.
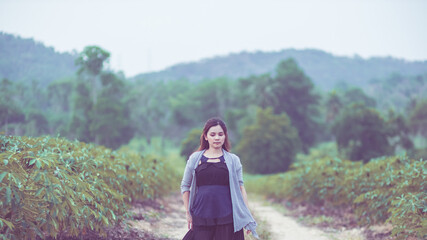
[(215, 137)]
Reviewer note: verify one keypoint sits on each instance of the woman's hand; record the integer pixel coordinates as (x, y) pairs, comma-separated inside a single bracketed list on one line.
[(248, 231), (189, 221)]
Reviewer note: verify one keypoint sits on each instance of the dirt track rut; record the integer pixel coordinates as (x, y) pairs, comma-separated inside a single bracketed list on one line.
[(169, 222)]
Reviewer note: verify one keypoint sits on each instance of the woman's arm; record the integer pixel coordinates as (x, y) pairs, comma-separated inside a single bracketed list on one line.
[(239, 172), (185, 199), (244, 195), (185, 190), (245, 199)]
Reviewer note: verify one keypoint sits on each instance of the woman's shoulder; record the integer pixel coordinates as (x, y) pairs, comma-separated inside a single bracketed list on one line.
[(195, 155), (233, 156)]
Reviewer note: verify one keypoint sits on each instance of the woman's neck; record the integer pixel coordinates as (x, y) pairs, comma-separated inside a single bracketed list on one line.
[(212, 152)]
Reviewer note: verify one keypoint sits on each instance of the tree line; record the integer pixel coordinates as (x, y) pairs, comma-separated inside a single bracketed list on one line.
[(271, 116)]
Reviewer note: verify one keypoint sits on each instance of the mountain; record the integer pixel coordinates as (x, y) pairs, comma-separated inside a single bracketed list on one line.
[(26, 60), (325, 69)]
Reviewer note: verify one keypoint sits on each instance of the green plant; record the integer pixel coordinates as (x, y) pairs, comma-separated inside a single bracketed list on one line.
[(388, 189), (52, 185)]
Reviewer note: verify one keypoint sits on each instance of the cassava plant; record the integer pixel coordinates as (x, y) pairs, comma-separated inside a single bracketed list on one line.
[(385, 190), (51, 185)]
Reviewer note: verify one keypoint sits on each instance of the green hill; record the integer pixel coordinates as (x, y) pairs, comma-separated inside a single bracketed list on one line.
[(323, 68), (26, 60)]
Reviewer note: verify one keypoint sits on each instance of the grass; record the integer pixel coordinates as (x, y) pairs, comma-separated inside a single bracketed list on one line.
[(316, 220)]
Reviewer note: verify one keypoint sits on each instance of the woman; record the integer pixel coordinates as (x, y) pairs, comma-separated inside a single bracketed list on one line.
[(212, 188)]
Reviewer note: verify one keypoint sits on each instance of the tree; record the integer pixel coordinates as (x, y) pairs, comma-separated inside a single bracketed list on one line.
[(258, 91), (91, 62), (197, 103), (269, 145), (10, 114), (82, 113), (290, 91), (294, 95), (111, 121), (361, 133), (151, 116), (399, 131), (9, 111), (357, 95), (333, 107), (108, 121), (59, 111), (37, 124), (418, 118), (190, 144), (59, 95), (207, 99), (337, 100)]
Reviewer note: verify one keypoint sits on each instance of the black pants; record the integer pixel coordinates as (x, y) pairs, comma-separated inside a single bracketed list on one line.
[(218, 232)]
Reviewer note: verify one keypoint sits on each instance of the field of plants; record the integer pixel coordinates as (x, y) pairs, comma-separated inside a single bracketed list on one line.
[(385, 190), (335, 135), (50, 186)]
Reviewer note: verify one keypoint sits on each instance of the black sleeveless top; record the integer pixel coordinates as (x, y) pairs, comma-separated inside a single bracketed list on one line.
[(212, 204), (212, 173)]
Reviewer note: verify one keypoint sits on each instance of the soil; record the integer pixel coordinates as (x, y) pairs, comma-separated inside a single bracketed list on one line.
[(164, 219), (168, 221), (285, 226), (341, 223)]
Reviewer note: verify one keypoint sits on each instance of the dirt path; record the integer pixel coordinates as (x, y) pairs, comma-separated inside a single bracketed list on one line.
[(282, 227), (165, 219)]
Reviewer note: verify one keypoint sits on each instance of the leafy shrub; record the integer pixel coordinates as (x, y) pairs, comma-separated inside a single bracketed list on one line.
[(391, 189), (52, 185), (394, 190)]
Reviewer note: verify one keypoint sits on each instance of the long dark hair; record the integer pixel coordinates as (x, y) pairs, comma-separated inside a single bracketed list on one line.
[(212, 123)]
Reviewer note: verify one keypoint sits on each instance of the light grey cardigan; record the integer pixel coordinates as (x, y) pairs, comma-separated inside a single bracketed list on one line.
[(241, 215)]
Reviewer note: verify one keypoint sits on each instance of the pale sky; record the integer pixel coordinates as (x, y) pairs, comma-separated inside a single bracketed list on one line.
[(145, 36)]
